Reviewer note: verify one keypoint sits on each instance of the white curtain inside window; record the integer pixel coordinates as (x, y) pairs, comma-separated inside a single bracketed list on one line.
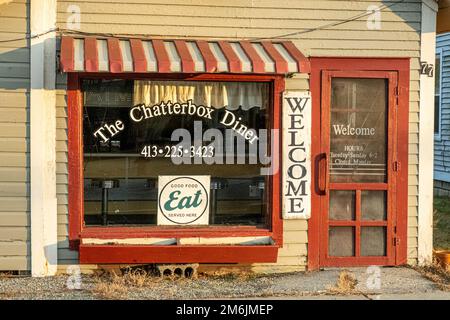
[(230, 95)]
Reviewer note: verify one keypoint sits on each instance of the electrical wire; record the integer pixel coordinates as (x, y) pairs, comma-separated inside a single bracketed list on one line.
[(30, 37), (330, 25), (325, 26)]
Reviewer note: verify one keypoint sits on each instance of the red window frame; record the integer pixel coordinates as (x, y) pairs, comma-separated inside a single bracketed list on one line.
[(78, 231), (362, 66)]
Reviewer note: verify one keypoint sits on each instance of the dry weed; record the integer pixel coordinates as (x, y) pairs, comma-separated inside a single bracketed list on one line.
[(346, 284), (110, 286), (6, 274), (436, 273), (231, 276), (137, 278)]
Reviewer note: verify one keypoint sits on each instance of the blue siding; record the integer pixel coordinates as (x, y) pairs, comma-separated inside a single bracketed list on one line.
[(442, 143)]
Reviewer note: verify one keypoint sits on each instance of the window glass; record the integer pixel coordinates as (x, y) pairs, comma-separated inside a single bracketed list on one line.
[(358, 130), (373, 205), (373, 241), (342, 205), (128, 128), (341, 241)]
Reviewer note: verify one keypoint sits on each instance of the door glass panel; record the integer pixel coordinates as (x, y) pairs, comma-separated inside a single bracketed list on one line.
[(373, 205), (341, 242), (373, 241), (342, 205), (358, 130)]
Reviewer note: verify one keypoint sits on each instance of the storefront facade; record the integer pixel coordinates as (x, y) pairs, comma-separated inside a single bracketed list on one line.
[(298, 134)]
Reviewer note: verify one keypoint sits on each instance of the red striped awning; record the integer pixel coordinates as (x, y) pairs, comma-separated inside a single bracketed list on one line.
[(181, 56)]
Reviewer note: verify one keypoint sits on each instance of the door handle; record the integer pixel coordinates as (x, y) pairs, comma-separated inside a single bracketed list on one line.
[(323, 173), (326, 173)]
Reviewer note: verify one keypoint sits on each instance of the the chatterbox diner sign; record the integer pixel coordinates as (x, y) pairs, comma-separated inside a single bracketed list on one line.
[(142, 112), (296, 155), (183, 200)]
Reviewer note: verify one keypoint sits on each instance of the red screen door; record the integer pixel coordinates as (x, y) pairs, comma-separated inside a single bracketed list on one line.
[(357, 168)]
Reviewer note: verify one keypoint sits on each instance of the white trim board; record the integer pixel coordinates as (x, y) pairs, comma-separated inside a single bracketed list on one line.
[(44, 241), (431, 4), (426, 135), (261, 240)]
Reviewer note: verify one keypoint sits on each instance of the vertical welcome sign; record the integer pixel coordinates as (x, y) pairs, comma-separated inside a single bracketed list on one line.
[(296, 155)]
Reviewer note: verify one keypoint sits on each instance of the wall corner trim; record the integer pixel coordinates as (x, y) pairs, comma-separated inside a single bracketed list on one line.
[(432, 4), (426, 137), (42, 104)]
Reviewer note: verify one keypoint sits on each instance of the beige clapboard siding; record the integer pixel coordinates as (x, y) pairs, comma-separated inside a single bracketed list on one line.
[(399, 37), (9, 174), (233, 7), (15, 69), (20, 43), (14, 140), (14, 144), (251, 19), (18, 25), (15, 9), (413, 189), (14, 233), (294, 251), (245, 14), (307, 4), (14, 189), (261, 20), (14, 248), (13, 99), (65, 255), (14, 219), (10, 115), (20, 263), (13, 159)]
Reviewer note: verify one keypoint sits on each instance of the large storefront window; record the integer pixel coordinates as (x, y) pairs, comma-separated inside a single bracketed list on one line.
[(128, 136)]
